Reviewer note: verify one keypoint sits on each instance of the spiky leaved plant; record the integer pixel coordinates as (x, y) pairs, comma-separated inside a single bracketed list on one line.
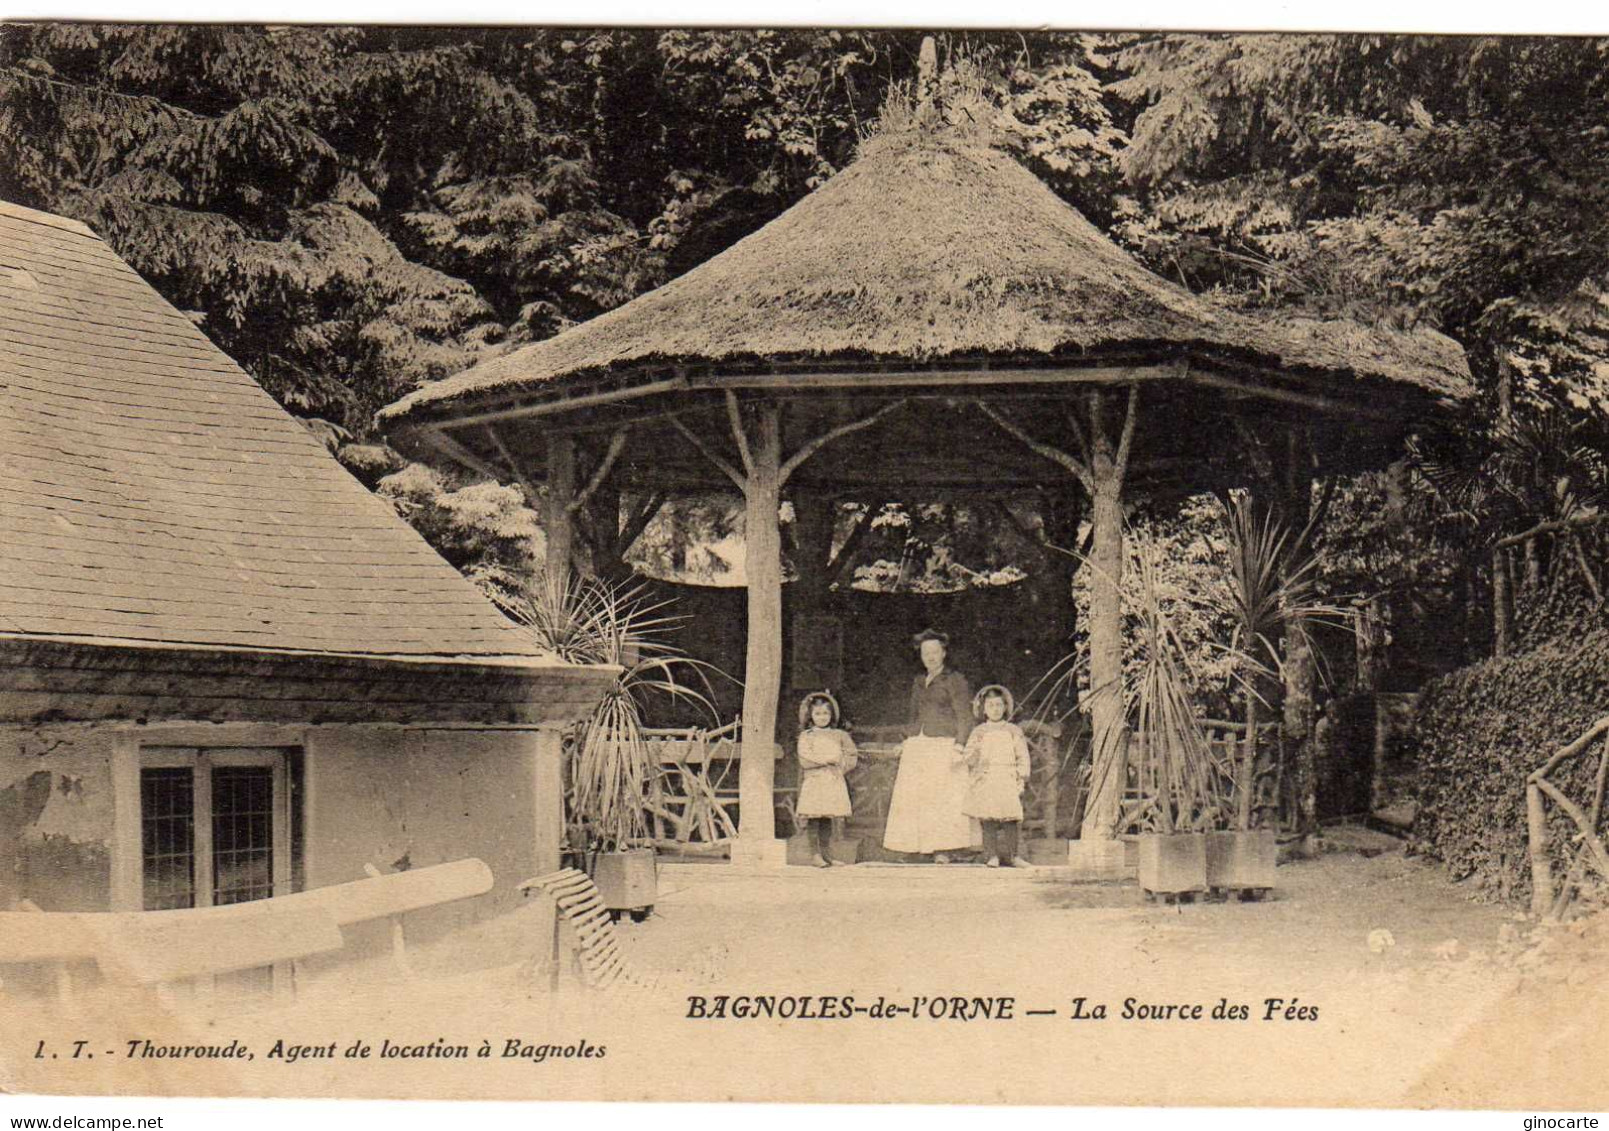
[(1269, 592), (1170, 751), (1165, 744), (586, 620)]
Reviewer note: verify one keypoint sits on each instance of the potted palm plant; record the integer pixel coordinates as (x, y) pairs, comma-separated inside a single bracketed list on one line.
[(1179, 798), (611, 769), (1268, 593)]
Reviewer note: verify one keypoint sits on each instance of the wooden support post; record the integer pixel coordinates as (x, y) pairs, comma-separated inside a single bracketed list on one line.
[(1101, 466), (761, 478), (1301, 720), (1108, 464), (399, 940), (762, 668), (1500, 602), (1107, 716), (1536, 822), (1246, 768), (558, 517)]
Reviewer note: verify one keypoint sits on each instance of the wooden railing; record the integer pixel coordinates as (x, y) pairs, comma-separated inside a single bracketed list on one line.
[(1589, 852), (693, 791)]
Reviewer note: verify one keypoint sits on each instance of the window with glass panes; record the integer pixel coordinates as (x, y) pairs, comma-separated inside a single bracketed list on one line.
[(214, 826)]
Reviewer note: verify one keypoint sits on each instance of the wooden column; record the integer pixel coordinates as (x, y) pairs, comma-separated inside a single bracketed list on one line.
[(1101, 468), (558, 519), (1536, 842), (1294, 509), (1108, 719), (1501, 602), (762, 665), (764, 472)]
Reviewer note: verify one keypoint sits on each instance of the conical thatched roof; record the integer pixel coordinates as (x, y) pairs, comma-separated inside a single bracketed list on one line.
[(931, 247)]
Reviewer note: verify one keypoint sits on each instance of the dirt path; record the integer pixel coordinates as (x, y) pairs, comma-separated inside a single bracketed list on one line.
[(1383, 1023)]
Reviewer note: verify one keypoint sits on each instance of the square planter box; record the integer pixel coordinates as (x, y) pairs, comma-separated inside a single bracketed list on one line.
[(628, 881), (1242, 861), (1173, 863)]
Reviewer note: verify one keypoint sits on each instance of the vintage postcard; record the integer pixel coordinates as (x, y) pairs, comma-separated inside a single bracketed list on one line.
[(804, 565)]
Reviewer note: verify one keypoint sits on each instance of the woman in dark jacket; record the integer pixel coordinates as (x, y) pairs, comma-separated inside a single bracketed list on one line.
[(924, 813)]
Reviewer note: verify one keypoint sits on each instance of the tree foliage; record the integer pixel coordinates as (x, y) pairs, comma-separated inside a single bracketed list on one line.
[(1458, 181), (349, 212)]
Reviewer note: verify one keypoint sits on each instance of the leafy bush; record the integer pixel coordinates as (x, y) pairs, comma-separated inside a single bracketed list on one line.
[(1480, 730)]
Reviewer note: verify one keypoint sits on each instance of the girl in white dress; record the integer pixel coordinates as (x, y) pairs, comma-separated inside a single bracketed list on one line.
[(997, 756), (826, 754)]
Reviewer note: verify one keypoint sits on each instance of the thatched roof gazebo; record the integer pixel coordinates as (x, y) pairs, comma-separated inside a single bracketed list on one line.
[(931, 318)]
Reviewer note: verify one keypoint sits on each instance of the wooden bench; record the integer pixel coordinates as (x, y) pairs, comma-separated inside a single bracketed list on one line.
[(145, 948), (579, 910)]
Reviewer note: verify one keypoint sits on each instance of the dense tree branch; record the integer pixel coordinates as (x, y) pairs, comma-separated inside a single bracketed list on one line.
[(821, 441), (1045, 451), (1550, 527), (708, 453)]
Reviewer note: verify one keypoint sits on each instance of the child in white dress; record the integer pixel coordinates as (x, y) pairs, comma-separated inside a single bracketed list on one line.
[(997, 756), (826, 754)]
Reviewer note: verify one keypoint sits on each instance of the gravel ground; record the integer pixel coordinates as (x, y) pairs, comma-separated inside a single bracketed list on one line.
[(1394, 990)]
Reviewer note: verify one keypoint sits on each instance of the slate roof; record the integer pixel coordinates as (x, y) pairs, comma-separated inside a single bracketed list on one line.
[(152, 492)]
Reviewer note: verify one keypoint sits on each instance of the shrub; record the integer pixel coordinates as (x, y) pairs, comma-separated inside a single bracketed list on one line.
[(1480, 730)]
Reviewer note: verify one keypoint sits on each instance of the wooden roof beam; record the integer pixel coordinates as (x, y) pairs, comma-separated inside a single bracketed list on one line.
[(874, 381), (1315, 401), (438, 439), (784, 381), (563, 404)]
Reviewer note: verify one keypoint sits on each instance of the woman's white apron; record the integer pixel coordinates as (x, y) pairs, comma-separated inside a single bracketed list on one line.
[(924, 813)]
